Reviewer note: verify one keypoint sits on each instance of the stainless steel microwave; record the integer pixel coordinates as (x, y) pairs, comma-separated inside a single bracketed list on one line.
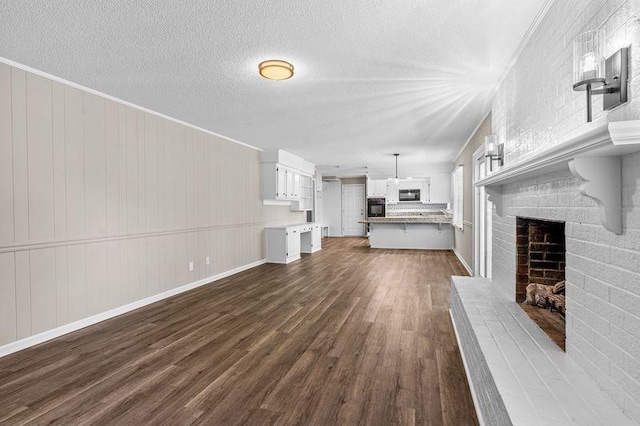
[(409, 195)]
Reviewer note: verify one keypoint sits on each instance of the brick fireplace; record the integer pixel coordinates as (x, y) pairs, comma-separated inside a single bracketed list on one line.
[(541, 253)]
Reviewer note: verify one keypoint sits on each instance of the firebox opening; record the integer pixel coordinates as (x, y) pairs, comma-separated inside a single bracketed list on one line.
[(540, 274)]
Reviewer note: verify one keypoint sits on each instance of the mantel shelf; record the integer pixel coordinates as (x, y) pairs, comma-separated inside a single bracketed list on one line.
[(594, 157)]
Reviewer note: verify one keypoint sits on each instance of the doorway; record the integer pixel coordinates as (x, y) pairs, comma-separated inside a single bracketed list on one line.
[(482, 210), (353, 210)]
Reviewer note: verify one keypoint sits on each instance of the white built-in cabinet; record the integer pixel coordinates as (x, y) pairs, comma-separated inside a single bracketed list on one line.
[(284, 244), (287, 177), (440, 188), (391, 192), (434, 189), (425, 191), (376, 188), (287, 184)]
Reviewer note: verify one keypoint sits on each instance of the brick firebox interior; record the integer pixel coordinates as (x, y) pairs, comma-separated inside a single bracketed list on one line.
[(541, 254)]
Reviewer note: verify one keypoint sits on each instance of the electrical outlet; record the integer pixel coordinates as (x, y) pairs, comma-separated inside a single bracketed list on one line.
[(190, 266), (207, 261)]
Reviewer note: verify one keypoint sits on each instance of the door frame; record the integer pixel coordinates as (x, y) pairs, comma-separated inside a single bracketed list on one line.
[(478, 227), (364, 206)]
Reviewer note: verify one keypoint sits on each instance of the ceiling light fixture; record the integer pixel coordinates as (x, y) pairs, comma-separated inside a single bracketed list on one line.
[(276, 69), (597, 76)]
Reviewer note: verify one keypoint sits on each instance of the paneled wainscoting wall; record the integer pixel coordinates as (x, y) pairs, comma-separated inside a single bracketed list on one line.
[(103, 204)]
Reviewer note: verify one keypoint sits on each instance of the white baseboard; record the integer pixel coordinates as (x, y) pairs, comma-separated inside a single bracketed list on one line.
[(94, 319), (466, 266)]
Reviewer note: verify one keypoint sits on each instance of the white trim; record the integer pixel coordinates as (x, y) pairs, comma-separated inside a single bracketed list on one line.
[(472, 135), (474, 396), (464, 263), (121, 101), (77, 325)]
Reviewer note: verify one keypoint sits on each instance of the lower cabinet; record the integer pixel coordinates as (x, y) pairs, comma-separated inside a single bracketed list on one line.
[(311, 239), (284, 244)]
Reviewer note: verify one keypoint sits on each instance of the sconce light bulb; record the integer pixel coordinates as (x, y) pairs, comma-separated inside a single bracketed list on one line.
[(589, 66)]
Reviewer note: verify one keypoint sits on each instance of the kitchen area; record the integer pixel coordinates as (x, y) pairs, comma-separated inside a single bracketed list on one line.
[(409, 213), (392, 212)]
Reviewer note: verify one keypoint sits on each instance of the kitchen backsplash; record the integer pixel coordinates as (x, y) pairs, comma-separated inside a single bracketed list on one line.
[(415, 209)]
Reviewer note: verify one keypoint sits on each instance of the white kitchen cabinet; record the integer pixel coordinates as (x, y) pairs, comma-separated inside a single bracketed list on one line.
[(311, 238), (282, 183), (392, 192), (285, 243), (376, 188), (275, 182), (440, 188), (425, 192)]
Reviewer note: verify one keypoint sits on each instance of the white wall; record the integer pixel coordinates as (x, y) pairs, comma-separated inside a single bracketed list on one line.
[(332, 207), (103, 204), (534, 109)]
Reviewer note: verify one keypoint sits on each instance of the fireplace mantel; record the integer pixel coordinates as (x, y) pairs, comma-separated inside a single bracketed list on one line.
[(594, 157)]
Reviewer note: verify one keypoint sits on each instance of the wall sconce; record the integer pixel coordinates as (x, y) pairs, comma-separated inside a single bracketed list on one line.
[(596, 76), (493, 150)]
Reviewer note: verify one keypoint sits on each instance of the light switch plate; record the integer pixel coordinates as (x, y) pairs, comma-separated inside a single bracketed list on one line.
[(207, 260), (190, 266)]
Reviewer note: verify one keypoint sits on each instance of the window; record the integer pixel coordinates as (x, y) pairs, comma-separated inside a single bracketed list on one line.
[(458, 196)]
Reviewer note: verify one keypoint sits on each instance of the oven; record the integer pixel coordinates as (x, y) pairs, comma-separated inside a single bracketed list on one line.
[(376, 207)]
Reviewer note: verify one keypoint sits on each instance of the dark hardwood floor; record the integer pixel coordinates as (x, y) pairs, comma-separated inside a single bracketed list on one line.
[(349, 335)]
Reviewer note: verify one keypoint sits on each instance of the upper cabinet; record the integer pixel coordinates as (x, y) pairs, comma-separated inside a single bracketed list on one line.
[(280, 182), (287, 177), (376, 188), (440, 188), (391, 192)]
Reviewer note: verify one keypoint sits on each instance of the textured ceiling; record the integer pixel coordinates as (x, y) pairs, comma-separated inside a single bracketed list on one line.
[(373, 77)]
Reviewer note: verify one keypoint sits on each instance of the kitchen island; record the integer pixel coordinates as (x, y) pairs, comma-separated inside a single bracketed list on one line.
[(430, 232)]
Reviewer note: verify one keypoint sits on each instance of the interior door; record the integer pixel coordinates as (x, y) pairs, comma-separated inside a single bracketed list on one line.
[(353, 210)]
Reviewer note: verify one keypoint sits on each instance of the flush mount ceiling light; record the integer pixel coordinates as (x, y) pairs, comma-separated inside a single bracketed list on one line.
[(276, 69), (597, 76)]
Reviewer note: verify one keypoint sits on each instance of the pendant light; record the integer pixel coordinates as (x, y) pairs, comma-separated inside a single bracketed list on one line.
[(396, 179)]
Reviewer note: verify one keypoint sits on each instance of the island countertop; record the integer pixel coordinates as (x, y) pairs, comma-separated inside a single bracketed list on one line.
[(435, 218)]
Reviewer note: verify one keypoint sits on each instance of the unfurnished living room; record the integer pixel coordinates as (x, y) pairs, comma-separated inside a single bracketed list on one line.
[(410, 212)]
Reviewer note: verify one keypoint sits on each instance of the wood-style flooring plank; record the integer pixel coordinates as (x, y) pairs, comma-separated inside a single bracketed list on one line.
[(348, 335)]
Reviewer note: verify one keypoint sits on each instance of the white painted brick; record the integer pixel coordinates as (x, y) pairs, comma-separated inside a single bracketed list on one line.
[(597, 288), (624, 300), (630, 323), (535, 109), (624, 258), (626, 382), (632, 367), (625, 341)]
